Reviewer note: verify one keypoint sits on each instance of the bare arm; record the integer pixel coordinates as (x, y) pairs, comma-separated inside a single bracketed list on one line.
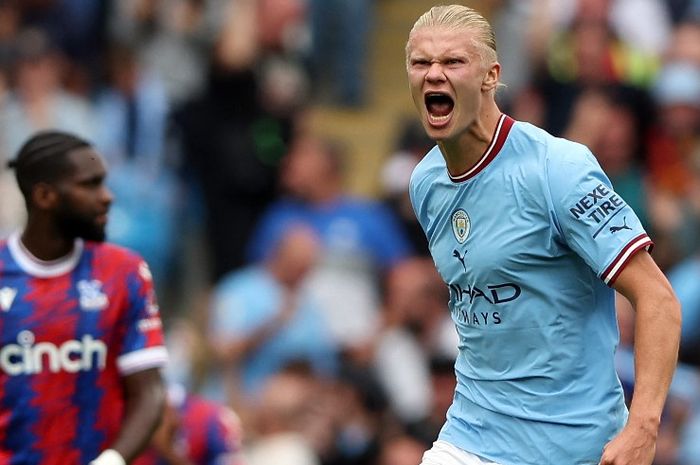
[(145, 399), (657, 335)]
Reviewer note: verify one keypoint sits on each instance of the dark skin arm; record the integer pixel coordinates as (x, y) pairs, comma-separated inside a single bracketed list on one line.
[(145, 400)]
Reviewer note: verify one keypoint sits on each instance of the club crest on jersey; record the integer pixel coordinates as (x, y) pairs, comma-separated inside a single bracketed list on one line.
[(7, 296), (91, 296), (461, 225)]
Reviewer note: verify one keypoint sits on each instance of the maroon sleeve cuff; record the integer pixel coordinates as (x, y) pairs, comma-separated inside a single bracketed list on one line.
[(618, 264)]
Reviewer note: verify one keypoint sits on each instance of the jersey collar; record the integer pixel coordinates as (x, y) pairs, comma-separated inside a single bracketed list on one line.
[(42, 268), (505, 123)]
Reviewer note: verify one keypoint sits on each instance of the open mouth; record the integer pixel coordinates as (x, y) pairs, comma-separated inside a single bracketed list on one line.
[(439, 107)]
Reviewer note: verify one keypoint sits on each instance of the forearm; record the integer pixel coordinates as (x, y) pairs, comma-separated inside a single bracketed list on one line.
[(144, 407), (657, 336)]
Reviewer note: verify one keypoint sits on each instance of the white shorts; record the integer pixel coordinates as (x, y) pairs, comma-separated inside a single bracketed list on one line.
[(444, 453)]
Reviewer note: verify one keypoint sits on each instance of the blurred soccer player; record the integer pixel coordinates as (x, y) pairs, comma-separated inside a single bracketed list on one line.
[(80, 333), (530, 237), (194, 431)]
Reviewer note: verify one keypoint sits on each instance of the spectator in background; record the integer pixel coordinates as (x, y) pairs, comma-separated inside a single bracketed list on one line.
[(175, 37), (674, 162), (38, 100), (262, 319), (278, 423), (685, 43), (644, 23), (234, 135), (442, 384), (339, 35), (588, 53), (361, 239), (131, 114), (75, 27), (359, 410), (400, 450), (412, 144), (416, 329), (10, 25), (12, 213)]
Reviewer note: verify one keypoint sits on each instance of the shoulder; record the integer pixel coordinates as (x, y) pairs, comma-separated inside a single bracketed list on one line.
[(557, 151), (112, 251), (526, 136), (560, 156), (116, 256), (569, 163)]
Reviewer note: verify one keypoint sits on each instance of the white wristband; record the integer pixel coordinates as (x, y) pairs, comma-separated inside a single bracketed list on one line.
[(109, 457)]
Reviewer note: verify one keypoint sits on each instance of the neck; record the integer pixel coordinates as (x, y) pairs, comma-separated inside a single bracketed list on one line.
[(44, 241), (465, 150)]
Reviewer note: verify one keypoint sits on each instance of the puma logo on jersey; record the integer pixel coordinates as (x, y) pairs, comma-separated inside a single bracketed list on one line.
[(460, 257), (614, 229), (7, 296), (29, 357)]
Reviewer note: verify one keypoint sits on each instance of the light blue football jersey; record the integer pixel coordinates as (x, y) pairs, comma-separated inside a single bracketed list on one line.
[(529, 241)]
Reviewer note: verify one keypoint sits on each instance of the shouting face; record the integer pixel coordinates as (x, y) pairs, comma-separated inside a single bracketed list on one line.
[(449, 78)]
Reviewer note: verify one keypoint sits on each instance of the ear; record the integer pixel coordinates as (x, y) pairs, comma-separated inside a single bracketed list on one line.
[(44, 196), (491, 78)]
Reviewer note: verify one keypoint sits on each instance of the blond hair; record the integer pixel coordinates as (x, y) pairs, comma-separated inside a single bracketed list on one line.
[(460, 17)]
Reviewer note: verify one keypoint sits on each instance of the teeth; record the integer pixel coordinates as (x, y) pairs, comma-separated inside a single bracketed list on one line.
[(439, 119)]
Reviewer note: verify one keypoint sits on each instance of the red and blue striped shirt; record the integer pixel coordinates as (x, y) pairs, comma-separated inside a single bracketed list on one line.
[(69, 331)]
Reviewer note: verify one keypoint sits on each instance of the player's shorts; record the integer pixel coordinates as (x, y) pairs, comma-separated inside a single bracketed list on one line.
[(444, 453)]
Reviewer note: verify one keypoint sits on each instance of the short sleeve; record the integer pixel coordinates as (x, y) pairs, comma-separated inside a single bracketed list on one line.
[(594, 221), (143, 346)]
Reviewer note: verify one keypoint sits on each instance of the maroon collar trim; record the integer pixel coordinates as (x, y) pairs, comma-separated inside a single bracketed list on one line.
[(505, 123)]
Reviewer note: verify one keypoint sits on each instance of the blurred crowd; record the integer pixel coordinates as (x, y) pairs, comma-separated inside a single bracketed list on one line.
[(312, 312)]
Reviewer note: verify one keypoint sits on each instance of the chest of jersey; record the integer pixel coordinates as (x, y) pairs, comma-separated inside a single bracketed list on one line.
[(496, 248), (61, 324), (488, 232)]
